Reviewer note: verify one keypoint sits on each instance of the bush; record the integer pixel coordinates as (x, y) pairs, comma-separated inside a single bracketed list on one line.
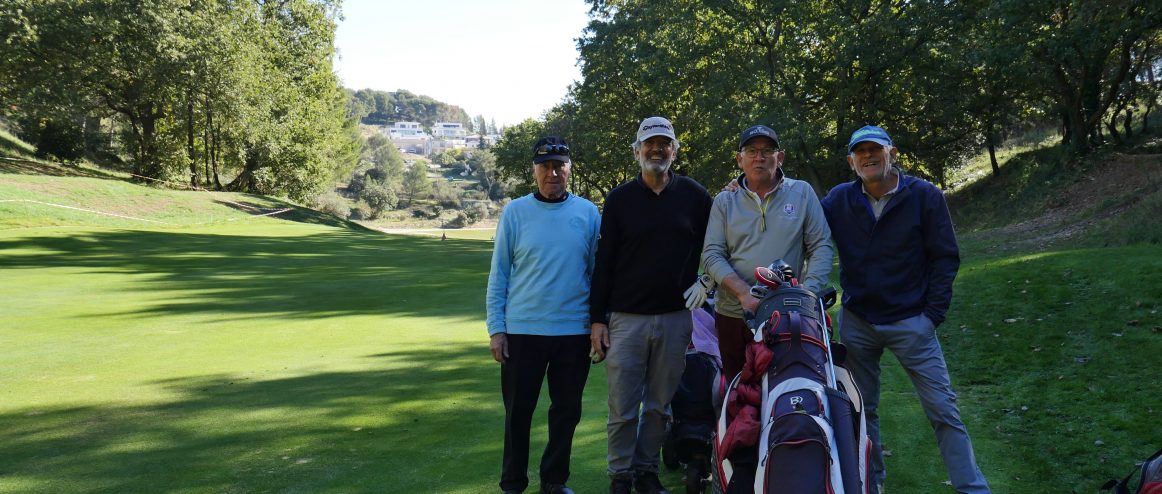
[(379, 198), (62, 141), (447, 195), (359, 212), (332, 204), (460, 221), (476, 212), (356, 186), (428, 211)]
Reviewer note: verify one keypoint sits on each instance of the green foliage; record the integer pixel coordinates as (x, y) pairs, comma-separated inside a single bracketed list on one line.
[(513, 154), (449, 157), (944, 78), (1084, 54), (416, 183), (446, 194), (385, 108), (484, 167), (62, 140), (230, 87), (379, 198)]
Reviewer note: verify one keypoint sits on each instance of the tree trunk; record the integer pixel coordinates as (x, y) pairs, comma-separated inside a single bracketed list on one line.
[(1112, 125), (217, 138), (207, 132), (190, 140), (988, 137), (1128, 123)]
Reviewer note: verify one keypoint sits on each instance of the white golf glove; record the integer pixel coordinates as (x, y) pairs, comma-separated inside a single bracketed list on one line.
[(696, 294)]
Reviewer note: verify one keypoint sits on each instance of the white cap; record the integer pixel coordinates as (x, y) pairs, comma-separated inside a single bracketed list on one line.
[(655, 126)]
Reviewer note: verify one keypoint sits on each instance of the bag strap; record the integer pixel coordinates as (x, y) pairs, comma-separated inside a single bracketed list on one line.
[(1123, 486)]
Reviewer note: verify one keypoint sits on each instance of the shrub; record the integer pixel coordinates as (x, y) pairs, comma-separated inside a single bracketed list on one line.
[(460, 221), (446, 195), (379, 198), (62, 141), (332, 204), (476, 212)]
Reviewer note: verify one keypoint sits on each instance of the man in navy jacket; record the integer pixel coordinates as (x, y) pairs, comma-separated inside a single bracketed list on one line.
[(898, 257)]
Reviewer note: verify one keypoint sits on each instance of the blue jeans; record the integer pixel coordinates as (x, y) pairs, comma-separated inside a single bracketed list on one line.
[(913, 342), (647, 354)]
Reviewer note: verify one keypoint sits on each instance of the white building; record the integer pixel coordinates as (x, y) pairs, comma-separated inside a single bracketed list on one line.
[(406, 129), (410, 138), (453, 130)]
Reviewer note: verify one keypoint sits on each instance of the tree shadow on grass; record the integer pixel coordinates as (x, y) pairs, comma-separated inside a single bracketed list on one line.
[(258, 205), (421, 421), (313, 276)]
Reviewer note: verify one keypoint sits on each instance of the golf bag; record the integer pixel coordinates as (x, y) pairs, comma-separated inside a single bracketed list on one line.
[(695, 406), (793, 420), (1150, 482)]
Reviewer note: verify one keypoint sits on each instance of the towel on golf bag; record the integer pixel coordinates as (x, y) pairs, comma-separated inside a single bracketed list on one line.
[(744, 401)]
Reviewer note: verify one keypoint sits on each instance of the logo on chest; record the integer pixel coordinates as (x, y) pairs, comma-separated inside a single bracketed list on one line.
[(789, 209)]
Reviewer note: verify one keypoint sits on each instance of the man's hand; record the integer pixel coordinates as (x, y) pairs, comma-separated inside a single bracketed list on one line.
[(749, 302), (498, 343), (599, 339), (730, 186), (696, 294)]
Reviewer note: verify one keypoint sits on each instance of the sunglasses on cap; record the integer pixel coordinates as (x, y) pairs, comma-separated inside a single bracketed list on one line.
[(560, 149)]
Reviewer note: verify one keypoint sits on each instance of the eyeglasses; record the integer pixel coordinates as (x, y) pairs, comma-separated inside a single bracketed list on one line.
[(765, 152), (560, 149)]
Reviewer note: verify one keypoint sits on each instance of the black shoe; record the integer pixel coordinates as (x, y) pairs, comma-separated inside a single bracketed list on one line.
[(555, 489), (621, 484), (648, 483)]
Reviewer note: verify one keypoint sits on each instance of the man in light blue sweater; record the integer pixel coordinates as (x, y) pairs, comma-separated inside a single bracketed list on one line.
[(538, 315)]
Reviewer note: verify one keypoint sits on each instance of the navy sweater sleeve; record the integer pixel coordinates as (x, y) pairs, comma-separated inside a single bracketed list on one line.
[(942, 253)]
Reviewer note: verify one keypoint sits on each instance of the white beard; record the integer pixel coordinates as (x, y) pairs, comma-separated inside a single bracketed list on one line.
[(657, 168)]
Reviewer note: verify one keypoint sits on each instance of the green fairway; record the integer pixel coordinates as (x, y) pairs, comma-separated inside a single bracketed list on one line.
[(228, 352)]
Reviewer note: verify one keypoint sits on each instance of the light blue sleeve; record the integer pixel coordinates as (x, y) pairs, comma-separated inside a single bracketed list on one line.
[(594, 232), (496, 297)]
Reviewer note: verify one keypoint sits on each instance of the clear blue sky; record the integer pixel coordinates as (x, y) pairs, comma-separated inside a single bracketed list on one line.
[(505, 59)]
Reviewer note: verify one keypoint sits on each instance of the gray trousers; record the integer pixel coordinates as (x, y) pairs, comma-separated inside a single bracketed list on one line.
[(913, 341), (647, 354)]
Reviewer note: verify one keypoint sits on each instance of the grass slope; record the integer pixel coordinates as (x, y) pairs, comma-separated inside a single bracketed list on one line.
[(226, 352)]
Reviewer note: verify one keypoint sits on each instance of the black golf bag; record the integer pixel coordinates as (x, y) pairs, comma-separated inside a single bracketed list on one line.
[(803, 407), (695, 408)]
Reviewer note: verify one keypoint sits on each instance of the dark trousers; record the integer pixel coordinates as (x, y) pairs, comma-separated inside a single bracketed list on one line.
[(565, 360), (733, 335)]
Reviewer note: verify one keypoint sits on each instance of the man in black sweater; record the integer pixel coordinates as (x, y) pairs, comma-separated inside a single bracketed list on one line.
[(648, 252)]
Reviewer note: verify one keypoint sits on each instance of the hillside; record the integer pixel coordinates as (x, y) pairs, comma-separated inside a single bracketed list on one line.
[(1046, 199)]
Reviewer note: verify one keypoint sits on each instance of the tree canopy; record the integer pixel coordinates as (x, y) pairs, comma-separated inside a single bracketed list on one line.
[(194, 88), (384, 107), (945, 79)]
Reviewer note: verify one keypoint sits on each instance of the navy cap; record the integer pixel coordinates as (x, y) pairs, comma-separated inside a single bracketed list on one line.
[(551, 148), (869, 133), (757, 131)]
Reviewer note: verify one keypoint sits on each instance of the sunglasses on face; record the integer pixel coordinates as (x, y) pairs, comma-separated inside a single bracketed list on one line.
[(560, 149)]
